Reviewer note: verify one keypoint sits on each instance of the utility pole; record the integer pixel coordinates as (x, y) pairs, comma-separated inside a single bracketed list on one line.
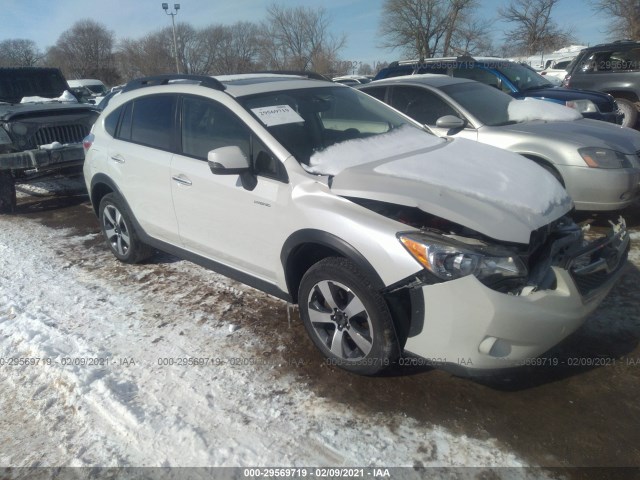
[(176, 7)]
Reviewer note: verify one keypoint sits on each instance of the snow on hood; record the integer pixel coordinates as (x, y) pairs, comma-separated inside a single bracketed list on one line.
[(336, 158), (534, 109), (65, 97), (492, 191)]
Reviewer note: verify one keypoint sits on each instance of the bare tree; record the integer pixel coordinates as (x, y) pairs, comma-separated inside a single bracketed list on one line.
[(534, 30), (424, 28), (150, 55), (19, 53), (624, 15), (473, 37), (85, 51), (298, 38)]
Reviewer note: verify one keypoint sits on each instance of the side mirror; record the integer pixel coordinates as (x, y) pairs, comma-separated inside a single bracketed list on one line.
[(228, 161), (450, 122)]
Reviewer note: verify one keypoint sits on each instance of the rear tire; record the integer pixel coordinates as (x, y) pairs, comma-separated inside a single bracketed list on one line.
[(630, 112), (119, 232), (7, 193), (346, 318)]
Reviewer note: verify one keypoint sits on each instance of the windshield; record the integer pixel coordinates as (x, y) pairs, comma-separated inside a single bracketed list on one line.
[(523, 78), (487, 104), (309, 120), (16, 83)]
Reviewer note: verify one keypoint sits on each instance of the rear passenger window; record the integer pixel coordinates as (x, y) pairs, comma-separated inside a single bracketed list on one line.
[(152, 121), (111, 122), (207, 125)]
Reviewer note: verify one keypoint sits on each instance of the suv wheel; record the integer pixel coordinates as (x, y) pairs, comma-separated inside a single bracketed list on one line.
[(119, 232), (7, 193), (630, 112), (347, 319)]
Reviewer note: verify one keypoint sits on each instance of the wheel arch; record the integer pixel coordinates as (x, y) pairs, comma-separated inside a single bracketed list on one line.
[(101, 185), (627, 95), (306, 247), (546, 164)]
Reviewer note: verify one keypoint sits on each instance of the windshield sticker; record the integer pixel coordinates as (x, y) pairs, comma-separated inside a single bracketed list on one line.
[(277, 115)]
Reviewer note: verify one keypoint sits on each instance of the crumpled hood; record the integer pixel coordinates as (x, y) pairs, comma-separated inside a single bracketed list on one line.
[(581, 133), (492, 191)]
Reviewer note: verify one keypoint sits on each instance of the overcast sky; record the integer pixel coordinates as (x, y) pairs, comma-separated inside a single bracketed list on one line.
[(43, 21)]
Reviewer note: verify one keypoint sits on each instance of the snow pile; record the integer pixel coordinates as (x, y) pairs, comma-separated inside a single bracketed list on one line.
[(533, 109), (403, 140), (66, 97), (486, 173)]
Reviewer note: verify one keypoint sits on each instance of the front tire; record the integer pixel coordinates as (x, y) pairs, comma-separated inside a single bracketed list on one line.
[(7, 193), (630, 112), (119, 232), (346, 318)]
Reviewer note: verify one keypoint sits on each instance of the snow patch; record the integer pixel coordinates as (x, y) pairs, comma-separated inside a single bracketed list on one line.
[(533, 109), (66, 97), (400, 141)]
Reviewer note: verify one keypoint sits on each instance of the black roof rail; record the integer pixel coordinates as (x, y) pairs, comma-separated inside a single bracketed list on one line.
[(167, 79), (300, 73)]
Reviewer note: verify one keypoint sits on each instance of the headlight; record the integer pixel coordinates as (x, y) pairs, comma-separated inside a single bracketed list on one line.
[(448, 259), (583, 106), (604, 158)]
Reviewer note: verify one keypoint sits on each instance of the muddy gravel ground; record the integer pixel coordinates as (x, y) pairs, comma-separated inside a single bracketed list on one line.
[(582, 412)]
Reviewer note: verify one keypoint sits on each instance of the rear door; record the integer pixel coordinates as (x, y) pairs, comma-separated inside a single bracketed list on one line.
[(139, 160)]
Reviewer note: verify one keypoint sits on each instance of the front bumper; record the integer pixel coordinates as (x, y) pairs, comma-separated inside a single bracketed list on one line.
[(43, 159), (601, 189), (462, 323)]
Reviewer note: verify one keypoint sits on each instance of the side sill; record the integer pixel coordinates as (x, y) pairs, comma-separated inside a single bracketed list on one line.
[(209, 264)]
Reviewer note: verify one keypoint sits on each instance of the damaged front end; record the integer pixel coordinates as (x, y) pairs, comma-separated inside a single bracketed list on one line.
[(492, 303)]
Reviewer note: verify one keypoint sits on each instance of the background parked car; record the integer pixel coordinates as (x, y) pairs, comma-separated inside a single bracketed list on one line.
[(557, 69), (596, 162), (351, 80), (513, 79), (613, 68)]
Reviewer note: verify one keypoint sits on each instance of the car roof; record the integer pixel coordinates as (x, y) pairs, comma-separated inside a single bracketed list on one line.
[(252, 83), (431, 79)]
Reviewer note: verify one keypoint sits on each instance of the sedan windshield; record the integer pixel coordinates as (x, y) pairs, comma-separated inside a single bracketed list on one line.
[(309, 120), (487, 104), (523, 78)]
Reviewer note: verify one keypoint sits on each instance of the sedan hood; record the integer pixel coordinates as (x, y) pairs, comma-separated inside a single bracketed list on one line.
[(580, 133), (492, 191)]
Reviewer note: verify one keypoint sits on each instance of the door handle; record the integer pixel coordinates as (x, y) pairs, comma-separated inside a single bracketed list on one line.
[(117, 158), (182, 180)]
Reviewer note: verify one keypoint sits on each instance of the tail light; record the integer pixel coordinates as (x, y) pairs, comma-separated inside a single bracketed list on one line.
[(87, 142)]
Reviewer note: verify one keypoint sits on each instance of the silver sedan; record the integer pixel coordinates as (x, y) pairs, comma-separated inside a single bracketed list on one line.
[(597, 162)]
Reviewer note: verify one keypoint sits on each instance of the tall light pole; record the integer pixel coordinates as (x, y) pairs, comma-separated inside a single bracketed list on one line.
[(176, 7)]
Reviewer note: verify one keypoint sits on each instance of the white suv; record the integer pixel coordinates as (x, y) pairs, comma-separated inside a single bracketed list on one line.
[(390, 239)]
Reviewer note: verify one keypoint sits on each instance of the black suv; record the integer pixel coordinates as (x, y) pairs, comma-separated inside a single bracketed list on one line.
[(517, 80), (613, 68), (41, 127)]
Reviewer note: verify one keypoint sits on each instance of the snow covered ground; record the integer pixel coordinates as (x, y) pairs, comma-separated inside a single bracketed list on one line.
[(167, 364), (104, 364)]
